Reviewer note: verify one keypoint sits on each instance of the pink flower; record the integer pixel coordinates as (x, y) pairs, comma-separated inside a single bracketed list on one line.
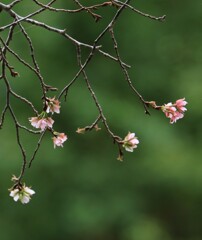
[(175, 111), (130, 142), (42, 123), (170, 112), (49, 122), (59, 139), (179, 104), (53, 105)]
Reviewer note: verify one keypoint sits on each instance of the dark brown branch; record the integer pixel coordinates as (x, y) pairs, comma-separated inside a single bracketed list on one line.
[(161, 18), (88, 59), (36, 149), (6, 66), (127, 77), (19, 144), (102, 116)]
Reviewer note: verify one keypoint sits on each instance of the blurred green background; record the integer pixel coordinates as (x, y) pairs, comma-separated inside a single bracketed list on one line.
[(82, 191)]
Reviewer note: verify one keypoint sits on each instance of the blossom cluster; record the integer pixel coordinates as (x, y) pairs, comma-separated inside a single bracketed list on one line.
[(22, 193), (175, 111), (44, 121)]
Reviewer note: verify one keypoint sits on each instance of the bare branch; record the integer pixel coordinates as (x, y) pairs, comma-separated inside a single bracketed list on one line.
[(42, 120), (161, 18)]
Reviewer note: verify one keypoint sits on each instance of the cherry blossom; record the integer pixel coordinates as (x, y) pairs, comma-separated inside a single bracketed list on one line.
[(130, 142), (175, 111), (41, 123), (59, 139), (53, 105), (22, 193), (179, 104)]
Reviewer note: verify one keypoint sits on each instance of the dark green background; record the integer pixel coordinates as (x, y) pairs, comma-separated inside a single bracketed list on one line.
[(82, 191)]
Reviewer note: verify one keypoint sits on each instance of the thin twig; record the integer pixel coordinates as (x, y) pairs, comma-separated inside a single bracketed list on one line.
[(36, 149), (102, 116), (127, 77), (161, 18)]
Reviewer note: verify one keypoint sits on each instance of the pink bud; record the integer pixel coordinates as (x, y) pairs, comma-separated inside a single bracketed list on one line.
[(53, 105), (130, 142), (59, 139)]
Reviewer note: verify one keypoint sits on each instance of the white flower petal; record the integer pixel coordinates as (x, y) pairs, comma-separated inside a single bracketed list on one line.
[(16, 197), (29, 191), (14, 192), (25, 199), (129, 149)]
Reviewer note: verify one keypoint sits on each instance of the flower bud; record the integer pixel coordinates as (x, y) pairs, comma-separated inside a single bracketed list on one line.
[(130, 142)]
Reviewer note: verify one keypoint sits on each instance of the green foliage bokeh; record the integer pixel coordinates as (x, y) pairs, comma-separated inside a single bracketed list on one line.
[(82, 191)]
